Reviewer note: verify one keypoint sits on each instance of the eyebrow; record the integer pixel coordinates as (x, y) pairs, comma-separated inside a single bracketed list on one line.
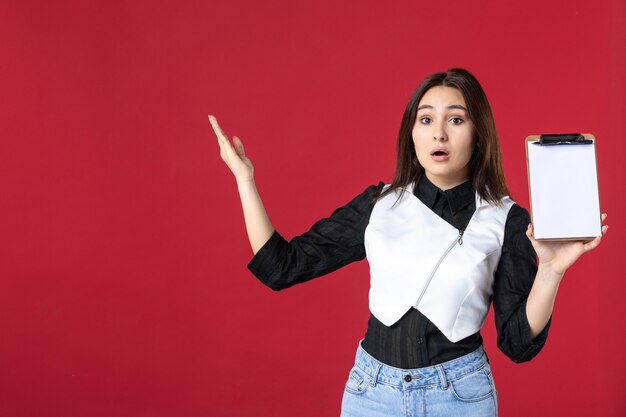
[(453, 106)]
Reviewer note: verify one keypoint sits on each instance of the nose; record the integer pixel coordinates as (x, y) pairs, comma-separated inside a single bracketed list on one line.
[(439, 132)]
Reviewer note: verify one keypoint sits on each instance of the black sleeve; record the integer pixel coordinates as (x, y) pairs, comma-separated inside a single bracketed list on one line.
[(331, 243), (514, 279)]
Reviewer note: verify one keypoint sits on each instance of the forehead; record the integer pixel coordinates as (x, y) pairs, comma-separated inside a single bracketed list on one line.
[(442, 96)]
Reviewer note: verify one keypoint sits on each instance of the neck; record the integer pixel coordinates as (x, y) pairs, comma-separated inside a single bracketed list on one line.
[(445, 183)]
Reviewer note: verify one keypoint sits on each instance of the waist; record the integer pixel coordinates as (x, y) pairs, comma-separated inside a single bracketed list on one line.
[(381, 373), (414, 342)]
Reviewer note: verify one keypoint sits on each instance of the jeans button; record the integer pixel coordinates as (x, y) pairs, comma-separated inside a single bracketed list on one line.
[(408, 378)]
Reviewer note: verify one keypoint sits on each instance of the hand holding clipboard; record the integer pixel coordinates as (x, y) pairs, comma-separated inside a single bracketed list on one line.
[(565, 204)]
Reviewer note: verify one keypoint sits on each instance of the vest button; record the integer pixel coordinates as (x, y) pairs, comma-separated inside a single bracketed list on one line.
[(420, 340), (408, 378)]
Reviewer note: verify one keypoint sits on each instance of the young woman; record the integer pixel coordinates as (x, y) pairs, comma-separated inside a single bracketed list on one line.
[(443, 240)]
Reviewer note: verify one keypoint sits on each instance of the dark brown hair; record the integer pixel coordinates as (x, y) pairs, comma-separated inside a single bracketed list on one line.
[(486, 173)]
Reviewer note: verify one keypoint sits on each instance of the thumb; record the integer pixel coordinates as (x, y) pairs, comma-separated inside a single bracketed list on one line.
[(238, 146), (530, 232)]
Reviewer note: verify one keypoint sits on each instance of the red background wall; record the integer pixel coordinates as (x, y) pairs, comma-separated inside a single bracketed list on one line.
[(123, 281)]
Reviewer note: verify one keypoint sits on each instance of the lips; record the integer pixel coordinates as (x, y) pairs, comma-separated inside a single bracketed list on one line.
[(439, 154)]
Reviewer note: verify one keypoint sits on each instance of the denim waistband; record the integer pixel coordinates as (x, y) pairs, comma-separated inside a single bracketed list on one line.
[(380, 373)]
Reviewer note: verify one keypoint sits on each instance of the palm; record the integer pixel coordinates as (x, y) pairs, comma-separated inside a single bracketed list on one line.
[(239, 163), (560, 255)]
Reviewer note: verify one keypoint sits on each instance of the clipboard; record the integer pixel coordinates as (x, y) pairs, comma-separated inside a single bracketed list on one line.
[(563, 186)]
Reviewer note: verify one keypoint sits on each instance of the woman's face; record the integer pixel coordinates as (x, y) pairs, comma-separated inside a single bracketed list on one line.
[(443, 136)]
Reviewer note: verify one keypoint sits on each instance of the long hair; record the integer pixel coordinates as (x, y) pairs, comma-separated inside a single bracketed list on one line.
[(486, 174)]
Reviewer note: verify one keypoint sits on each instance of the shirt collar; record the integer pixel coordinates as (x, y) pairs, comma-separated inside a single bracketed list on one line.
[(458, 197)]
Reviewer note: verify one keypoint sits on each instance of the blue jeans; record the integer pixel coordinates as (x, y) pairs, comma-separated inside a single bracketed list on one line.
[(460, 387)]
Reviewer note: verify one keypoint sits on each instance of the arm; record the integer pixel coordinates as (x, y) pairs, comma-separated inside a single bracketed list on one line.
[(331, 243), (513, 281), (555, 257), (258, 224), (523, 299)]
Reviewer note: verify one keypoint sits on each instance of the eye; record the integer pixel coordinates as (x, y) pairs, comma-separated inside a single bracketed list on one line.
[(456, 120), (425, 120)]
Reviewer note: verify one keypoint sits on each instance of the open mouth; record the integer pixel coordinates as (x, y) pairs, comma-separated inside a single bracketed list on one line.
[(439, 155)]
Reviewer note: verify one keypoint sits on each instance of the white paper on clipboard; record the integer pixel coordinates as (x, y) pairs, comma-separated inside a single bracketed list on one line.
[(563, 185)]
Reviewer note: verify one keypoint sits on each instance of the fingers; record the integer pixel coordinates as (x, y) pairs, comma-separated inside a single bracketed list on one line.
[(593, 244), (233, 154), (216, 127), (226, 148), (221, 136)]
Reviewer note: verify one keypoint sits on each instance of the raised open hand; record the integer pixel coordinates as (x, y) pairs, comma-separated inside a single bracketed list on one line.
[(233, 154)]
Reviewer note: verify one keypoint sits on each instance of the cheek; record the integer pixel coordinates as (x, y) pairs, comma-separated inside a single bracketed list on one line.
[(419, 132), (469, 143), (469, 150), (419, 138), (420, 147)]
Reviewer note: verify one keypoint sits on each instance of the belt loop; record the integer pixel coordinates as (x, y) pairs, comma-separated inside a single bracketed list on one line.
[(375, 374), (442, 377)]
